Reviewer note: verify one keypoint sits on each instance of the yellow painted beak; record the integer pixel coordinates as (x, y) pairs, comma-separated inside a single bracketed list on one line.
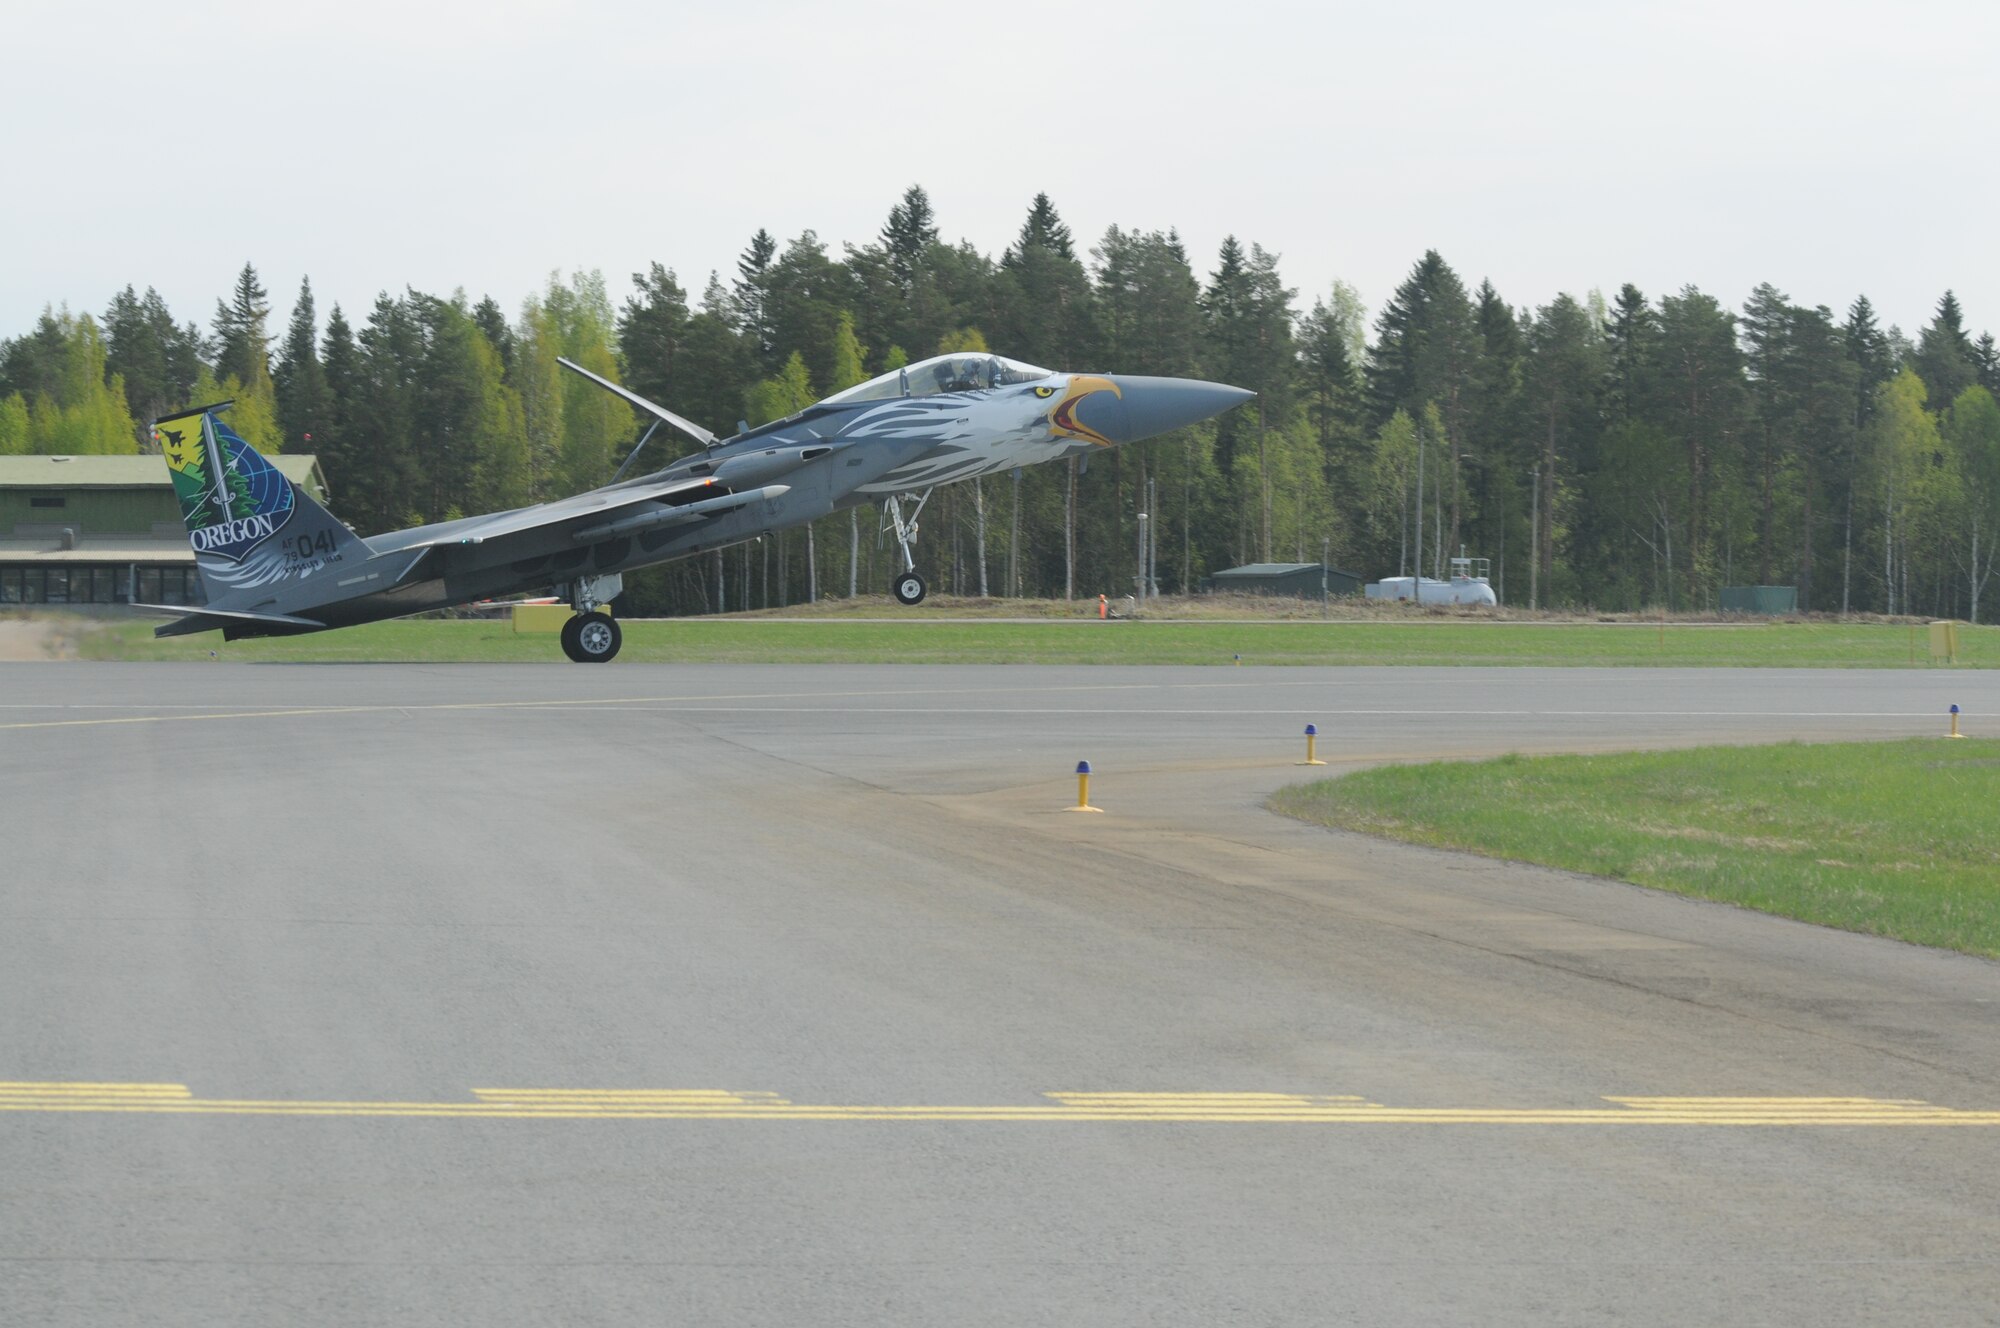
[(1063, 421)]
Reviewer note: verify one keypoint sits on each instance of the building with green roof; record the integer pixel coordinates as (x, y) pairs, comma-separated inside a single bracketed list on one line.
[(104, 529)]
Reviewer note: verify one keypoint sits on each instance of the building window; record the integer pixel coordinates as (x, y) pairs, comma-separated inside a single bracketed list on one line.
[(10, 585), (48, 500), (57, 591), (174, 586)]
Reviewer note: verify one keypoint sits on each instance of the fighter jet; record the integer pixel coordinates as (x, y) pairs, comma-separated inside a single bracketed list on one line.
[(273, 562)]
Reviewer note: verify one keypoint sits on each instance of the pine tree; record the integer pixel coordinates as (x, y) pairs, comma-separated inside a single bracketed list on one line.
[(1229, 336), (751, 295), (304, 403), (1046, 311), (244, 347), (33, 364), (1766, 330), (1565, 375), (493, 322), (1821, 389), (136, 355), (156, 357), (1702, 381), (910, 231), (717, 365), (1946, 359), (1400, 333), (651, 331), (340, 364), (1330, 382), (1631, 345), (380, 488), (1043, 229), (1869, 350), (1249, 343), (1446, 365), (806, 292), (1498, 443)]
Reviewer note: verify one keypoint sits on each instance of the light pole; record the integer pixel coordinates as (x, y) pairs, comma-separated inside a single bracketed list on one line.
[(1141, 577), (1535, 539), (1417, 581), (1153, 540)]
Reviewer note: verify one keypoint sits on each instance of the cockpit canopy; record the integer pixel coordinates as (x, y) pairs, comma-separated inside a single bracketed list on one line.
[(943, 373)]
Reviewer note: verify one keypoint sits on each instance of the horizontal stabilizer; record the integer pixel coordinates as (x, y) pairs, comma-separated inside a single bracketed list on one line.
[(208, 620), (192, 411), (688, 427)]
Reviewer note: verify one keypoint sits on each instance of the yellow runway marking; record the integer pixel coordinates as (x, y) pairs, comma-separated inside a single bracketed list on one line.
[(1247, 1108)]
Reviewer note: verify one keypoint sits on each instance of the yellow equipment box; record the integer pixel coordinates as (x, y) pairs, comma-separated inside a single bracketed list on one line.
[(547, 618)]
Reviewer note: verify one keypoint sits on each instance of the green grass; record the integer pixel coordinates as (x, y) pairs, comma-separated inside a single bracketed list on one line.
[(937, 641), (1894, 839)]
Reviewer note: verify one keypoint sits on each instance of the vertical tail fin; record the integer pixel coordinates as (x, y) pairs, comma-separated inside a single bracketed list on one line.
[(250, 526)]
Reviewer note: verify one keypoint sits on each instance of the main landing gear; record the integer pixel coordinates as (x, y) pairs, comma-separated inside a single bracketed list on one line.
[(593, 636), (909, 587)]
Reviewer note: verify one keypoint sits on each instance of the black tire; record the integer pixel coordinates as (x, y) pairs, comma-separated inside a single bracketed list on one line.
[(569, 644), (597, 638), (909, 588)]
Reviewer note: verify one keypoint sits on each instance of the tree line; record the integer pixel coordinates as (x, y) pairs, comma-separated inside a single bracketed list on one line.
[(1633, 452)]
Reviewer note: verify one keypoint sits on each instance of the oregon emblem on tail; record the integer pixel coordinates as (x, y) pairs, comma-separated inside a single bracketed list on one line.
[(231, 498)]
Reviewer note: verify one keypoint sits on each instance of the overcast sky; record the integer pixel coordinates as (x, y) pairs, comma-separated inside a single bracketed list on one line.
[(1831, 148)]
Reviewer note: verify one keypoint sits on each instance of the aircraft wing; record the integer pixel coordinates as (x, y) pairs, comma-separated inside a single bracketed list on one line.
[(604, 504)]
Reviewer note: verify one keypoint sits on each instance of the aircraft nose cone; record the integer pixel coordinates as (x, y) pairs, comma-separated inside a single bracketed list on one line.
[(1152, 406)]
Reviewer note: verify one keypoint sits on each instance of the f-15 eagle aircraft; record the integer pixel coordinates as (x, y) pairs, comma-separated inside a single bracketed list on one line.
[(273, 562)]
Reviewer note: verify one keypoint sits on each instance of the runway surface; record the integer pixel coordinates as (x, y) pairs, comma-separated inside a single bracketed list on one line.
[(440, 994)]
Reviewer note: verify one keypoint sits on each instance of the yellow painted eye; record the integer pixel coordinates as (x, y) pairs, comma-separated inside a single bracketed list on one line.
[(1045, 391)]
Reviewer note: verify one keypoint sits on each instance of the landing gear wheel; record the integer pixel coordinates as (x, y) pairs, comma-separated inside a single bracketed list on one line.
[(592, 638), (910, 588)]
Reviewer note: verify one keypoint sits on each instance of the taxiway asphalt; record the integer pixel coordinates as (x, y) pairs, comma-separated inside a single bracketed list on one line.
[(433, 994)]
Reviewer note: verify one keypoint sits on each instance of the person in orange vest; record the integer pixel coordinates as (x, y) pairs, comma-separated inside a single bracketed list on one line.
[(1103, 607)]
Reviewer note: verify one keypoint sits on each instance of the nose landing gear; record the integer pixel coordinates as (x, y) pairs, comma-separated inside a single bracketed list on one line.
[(909, 588)]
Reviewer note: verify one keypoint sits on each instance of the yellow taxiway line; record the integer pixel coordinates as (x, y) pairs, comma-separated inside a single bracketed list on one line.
[(1247, 1108)]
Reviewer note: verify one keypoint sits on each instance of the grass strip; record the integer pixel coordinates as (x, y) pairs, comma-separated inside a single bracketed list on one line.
[(1893, 839), (945, 641)]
